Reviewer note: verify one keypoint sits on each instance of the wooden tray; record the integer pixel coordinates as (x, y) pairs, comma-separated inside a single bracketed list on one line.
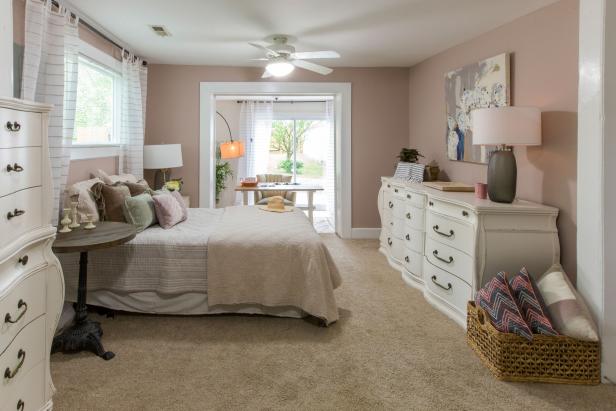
[(449, 186)]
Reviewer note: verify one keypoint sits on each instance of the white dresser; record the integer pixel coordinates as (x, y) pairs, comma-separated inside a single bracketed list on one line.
[(449, 244), (31, 282)]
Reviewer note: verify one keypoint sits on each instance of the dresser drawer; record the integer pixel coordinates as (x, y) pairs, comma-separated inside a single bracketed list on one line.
[(397, 207), (24, 129), (27, 349), (19, 168), (450, 259), (29, 202), (448, 288), (30, 392), (414, 239), (416, 199), (395, 247), (450, 231), (412, 262), (397, 228), (414, 217), (23, 303), (398, 191), (452, 210)]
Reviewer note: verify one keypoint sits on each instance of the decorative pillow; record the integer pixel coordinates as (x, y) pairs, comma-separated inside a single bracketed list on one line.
[(569, 313), (137, 188), (110, 201), (525, 297), (180, 200), (497, 301), (139, 211), (112, 179), (80, 192), (168, 210)]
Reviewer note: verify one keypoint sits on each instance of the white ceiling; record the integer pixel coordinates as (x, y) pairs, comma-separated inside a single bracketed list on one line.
[(367, 33)]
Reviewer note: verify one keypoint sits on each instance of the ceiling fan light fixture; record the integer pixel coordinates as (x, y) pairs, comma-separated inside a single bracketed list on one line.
[(280, 68)]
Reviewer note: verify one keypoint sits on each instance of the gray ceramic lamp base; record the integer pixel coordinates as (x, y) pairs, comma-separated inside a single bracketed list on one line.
[(502, 176)]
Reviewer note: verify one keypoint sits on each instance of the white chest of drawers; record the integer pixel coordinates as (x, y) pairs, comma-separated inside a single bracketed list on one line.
[(31, 282), (449, 244)]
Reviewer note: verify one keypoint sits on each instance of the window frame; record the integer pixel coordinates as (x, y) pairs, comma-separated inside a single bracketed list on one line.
[(109, 63)]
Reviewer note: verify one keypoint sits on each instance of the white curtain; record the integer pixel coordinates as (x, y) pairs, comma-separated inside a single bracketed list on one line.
[(330, 163), (132, 114), (50, 76), (255, 132)]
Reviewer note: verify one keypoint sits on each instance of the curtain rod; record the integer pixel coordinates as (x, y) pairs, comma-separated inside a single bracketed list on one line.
[(288, 101), (94, 29)]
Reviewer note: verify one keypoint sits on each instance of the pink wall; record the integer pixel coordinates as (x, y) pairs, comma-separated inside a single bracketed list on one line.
[(379, 126), (544, 73), (82, 169)]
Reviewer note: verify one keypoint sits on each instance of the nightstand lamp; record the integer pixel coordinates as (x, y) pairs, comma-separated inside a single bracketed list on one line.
[(505, 127), (162, 157)]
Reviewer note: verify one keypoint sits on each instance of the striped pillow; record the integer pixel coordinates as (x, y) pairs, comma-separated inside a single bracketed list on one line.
[(497, 301), (528, 302), (567, 309)]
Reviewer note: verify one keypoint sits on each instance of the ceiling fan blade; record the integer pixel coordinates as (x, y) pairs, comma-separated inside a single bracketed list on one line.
[(325, 54), (266, 74), (262, 47), (317, 68)]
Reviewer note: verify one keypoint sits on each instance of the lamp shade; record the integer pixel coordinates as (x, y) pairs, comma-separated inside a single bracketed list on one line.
[(162, 156), (231, 149), (511, 126)]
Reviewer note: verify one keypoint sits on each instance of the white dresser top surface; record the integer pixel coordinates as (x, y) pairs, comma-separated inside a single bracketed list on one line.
[(469, 200)]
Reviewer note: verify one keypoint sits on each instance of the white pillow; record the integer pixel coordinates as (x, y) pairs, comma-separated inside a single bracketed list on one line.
[(112, 179), (86, 204)]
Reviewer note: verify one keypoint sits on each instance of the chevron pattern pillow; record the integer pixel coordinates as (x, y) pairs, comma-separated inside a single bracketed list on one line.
[(498, 303), (528, 302)]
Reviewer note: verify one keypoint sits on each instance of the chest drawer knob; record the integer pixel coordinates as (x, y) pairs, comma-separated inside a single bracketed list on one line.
[(437, 231), (8, 319), (408, 215), (388, 185), (395, 190), (449, 287), (465, 213), (15, 167), (23, 260), (15, 213), (391, 205), (14, 126), (21, 356), (408, 237), (389, 241), (408, 196), (407, 259), (430, 203), (21, 405), (446, 261)]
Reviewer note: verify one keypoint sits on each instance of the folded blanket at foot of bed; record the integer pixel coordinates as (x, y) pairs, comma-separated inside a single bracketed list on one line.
[(272, 259)]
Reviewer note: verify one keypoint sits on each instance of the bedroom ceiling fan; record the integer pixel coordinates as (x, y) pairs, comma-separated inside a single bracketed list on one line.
[(282, 58)]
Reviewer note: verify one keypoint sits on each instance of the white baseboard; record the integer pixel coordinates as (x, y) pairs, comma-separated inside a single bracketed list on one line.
[(365, 233)]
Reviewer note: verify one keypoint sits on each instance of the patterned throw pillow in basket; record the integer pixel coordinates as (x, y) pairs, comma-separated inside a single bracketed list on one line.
[(530, 304), (496, 300)]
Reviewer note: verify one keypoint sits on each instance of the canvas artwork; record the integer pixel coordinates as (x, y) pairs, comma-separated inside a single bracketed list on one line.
[(480, 85)]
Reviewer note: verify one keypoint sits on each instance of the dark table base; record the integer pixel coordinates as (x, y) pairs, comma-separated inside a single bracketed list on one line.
[(82, 336)]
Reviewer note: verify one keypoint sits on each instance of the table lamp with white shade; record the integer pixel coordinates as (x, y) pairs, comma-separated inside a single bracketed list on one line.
[(162, 157), (505, 127)]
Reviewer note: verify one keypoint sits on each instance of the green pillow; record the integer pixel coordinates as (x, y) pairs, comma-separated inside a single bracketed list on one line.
[(139, 211)]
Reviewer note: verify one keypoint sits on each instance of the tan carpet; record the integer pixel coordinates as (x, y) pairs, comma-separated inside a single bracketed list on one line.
[(390, 350)]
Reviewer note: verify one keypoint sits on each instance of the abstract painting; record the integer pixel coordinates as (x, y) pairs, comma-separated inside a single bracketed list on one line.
[(480, 85)]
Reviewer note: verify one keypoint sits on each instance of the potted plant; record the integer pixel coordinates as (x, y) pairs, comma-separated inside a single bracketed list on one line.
[(409, 155)]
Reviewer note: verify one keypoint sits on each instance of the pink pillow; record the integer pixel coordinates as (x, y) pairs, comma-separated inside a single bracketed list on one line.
[(168, 210), (178, 197)]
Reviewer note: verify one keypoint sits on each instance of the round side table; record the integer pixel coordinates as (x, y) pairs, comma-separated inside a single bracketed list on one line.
[(85, 334)]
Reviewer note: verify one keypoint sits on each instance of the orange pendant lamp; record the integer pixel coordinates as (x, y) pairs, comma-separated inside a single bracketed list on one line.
[(230, 149)]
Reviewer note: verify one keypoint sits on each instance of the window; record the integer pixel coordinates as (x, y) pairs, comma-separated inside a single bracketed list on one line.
[(96, 117)]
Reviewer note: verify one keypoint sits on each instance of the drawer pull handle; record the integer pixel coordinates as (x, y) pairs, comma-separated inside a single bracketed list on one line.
[(436, 230), (430, 203), (21, 356), (408, 215), (408, 237), (465, 213), (23, 260), (449, 261), (14, 126), (388, 185), (21, 405), (391, 205), (9, 319), (15, 167), (408, 196), (441, 285), (407, 259), (396, 190), (389, 241), (15, 213)]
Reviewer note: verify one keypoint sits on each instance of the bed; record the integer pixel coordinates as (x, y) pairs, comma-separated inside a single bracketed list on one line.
[(231, 260)]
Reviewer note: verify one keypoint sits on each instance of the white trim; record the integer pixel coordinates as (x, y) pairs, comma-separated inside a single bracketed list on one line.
[(90, 151), (342, 98), (366, 233), (596, 194), (99, 56)]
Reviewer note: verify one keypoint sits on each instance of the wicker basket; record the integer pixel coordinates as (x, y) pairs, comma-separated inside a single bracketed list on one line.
[(559, 359)]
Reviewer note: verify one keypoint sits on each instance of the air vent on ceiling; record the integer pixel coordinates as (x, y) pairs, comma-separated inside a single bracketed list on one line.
[(160, 30)]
